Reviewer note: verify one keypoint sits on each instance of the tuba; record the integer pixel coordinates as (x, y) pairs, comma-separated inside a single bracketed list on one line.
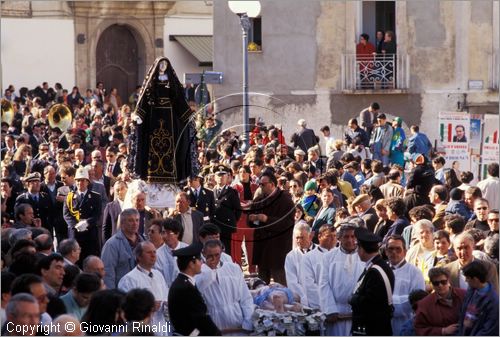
[(7, 111), (60, 116)]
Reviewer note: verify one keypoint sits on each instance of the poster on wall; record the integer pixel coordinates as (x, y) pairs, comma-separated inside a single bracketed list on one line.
[(454, 132), (491, 148), (475, 132)]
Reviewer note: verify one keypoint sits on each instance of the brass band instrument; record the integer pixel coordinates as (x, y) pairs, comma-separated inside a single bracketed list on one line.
[(7, 111), (60, 116)]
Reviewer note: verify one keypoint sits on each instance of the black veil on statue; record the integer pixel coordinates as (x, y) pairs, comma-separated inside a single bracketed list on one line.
[(163, 147)]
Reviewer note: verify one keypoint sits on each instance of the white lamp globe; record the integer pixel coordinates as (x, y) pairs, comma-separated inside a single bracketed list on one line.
[(251, 8)]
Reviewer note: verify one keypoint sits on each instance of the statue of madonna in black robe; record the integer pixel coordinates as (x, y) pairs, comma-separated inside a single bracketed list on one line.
[(162, 143)]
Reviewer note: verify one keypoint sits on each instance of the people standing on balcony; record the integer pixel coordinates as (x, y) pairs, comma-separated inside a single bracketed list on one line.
[(389, 58), (364, 57), (368, 117), (380, 142), (380, 40)]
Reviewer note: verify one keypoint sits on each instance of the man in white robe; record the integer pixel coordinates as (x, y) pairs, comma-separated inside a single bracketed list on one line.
[(407, 278), (293, 261), (166, 263), (145, 277), (340, 271), (311, 264), (209, 232), (226, 294)]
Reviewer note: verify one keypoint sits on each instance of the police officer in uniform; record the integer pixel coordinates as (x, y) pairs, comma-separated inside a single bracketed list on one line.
[(187, 309), (371, 301), (200, 198), (227, 206)]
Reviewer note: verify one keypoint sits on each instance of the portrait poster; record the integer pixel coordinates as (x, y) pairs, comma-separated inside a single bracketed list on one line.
[(454, 135), (490, 153)]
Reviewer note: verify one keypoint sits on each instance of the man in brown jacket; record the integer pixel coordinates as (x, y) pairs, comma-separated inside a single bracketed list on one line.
[(464, 245), (272, 216)]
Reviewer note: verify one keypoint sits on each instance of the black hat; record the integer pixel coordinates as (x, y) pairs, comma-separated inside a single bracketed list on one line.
[(191, 252), (363, 235), (222, 169)]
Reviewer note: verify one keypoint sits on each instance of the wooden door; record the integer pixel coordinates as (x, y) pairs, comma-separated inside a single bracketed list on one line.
[(117, 60)]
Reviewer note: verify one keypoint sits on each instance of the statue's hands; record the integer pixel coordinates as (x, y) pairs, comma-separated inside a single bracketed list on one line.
[(136, 119)]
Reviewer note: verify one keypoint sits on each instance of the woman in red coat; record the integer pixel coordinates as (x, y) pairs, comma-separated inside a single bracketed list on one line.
[(438, 313), (246, 190)]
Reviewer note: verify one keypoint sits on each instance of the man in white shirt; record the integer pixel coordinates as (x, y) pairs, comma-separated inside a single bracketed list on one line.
[(407, 278), (191, 219), (231, 312), (311, 264), (340, 271), (293, 261), (145, 277), (329, 140), (166, 262), (490, 187)]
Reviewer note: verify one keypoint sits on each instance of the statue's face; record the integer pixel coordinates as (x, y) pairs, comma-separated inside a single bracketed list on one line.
[(163, 66)]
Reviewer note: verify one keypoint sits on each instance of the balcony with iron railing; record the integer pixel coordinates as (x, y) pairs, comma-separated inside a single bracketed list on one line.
[(386, 73)]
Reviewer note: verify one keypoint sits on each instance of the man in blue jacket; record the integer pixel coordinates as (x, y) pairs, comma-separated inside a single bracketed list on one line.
[(419, 143)]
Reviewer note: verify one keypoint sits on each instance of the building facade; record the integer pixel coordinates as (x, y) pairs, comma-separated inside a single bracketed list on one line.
[(447, 59), (83, 42)]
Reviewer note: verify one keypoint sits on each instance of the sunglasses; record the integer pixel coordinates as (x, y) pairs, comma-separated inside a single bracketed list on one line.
[(493, 220), (481, 208), (440, 282)]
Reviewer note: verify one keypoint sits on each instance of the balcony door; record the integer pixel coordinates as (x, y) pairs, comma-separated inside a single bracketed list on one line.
[(378, 15)]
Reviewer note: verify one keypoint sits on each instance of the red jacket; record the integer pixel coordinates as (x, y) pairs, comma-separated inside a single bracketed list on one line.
[(432, 315)]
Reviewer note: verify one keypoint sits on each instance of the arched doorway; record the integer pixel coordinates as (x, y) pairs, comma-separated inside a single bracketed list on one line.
[(117, 60)]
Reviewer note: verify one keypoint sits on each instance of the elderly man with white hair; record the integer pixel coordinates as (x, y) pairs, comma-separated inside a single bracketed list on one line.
[(79, 158), (69, 326), (464, 246), (304, 138), (293, 261)]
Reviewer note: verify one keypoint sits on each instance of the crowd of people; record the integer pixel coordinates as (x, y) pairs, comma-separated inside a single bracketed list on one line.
[(374, 230)]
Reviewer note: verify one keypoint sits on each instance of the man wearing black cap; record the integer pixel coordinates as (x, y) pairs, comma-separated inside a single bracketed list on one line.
[(40, 201), (188, 311), (227, 206), (200, 198), (371, 301)]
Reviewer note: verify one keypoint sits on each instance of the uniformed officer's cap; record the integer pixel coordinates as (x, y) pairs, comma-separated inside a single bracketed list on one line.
[(222, 169), (367, 239), (33, 177), (191, 252)]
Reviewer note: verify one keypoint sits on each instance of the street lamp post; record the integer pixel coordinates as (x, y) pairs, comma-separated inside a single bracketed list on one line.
[(245, 10)]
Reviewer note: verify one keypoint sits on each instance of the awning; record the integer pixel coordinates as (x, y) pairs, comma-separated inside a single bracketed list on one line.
[(200, 46)]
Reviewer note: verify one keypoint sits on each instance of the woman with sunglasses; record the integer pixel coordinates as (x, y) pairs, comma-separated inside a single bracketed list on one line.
[(438, 313)]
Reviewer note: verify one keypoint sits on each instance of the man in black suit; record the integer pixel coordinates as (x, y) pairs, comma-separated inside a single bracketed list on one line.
[(112, 168), (39, 201), (190, 219), (201, 198), (304, 138), (82, 210), (227, 207), (371, 301), (113, 210), (51, 186), (188, 311)]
